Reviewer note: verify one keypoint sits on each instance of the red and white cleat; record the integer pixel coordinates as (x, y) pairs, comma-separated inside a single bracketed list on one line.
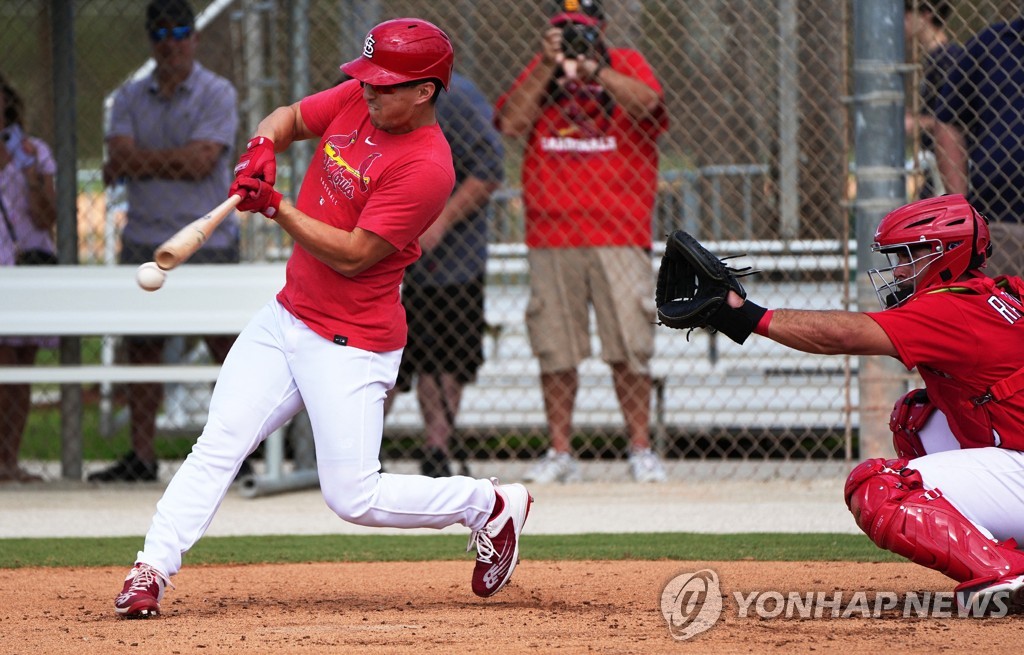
[(142, 591), (497, 543)]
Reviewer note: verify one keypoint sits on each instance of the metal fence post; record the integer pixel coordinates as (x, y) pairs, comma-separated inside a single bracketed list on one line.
[(63, 43), (878, 105)]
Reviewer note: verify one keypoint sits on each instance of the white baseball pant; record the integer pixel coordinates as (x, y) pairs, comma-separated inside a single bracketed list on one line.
[(985, 484), (277, 366)]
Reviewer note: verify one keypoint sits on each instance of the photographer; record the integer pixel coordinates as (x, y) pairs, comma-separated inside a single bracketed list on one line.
[(592, 114)]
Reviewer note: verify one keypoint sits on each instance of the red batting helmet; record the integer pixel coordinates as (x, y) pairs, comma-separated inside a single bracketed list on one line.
[(955, 233), (403, 50)]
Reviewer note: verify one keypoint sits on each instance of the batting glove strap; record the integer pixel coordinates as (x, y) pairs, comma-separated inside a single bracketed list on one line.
[(257, 196), (737, 323)]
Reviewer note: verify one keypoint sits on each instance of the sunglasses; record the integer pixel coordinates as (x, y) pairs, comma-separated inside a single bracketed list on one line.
[(179, 33), (388, 89)]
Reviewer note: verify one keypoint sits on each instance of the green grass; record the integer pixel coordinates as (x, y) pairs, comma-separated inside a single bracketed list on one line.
[(19, 553)]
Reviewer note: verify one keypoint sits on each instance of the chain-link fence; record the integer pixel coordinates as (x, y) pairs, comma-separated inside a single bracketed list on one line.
[(756, 159)]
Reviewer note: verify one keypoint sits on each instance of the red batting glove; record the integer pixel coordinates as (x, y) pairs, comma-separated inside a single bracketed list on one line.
[(258, 160), (257, 196)]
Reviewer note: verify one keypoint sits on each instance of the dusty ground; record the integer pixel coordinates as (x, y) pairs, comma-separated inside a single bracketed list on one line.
[(563, 607)]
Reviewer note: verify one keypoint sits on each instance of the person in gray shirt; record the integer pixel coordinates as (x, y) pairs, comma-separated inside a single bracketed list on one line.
[(170, 142)]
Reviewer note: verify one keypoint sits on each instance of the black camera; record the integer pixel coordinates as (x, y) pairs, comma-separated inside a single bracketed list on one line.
[(580, 40)]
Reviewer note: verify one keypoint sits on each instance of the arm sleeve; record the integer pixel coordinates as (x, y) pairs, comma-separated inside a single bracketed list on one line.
[(407, 202), (218, 121), (120, 117), (921, 332), (951, 104), (319, 109), (46, 163), (477, 149), (632, 63), (519, 80)]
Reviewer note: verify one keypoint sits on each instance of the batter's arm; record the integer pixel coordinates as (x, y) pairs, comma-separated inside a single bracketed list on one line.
[(348, 253), (284, 126)]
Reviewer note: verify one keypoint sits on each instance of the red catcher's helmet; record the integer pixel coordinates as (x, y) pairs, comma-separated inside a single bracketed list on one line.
[(957, 241), (403, 50)]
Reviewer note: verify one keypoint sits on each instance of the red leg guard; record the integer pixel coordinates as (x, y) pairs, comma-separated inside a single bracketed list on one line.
[(891, 506)]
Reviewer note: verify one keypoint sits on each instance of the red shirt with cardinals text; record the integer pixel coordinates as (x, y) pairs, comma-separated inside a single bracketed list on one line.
[(590, 171), (963, 339), (394, 185)]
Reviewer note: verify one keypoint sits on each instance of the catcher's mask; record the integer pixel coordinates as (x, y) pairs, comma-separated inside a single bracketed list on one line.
[(403, 50), (928, 243)]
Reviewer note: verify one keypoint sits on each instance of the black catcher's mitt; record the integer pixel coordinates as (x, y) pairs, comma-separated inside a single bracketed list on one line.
[(693, 284)]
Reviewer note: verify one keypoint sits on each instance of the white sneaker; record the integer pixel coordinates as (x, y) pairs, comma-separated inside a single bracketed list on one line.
[(554, 467), (645, 465)]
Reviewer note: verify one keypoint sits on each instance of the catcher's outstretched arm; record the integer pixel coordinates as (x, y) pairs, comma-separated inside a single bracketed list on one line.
[(830, 332)]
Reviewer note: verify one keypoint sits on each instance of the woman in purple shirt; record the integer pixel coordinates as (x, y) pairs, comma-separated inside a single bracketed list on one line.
[(28, 213)]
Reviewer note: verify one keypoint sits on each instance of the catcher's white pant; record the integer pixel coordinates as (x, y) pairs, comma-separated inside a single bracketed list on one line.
[(276, 367), (985, 484)]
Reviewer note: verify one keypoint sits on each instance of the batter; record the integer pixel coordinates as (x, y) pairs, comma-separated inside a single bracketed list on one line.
[(332, 339)]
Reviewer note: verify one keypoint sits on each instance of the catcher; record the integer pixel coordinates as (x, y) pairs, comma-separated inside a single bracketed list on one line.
[(952, 499)]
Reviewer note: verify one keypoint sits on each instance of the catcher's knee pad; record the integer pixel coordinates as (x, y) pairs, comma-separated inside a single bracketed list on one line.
[(909, 415), (891, 505), (875, 487)]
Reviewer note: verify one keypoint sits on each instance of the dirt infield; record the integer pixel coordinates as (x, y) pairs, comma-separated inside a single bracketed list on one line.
[(563, 607)]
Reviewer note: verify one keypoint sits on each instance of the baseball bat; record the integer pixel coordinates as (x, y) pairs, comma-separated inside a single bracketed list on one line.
[(191, 238)]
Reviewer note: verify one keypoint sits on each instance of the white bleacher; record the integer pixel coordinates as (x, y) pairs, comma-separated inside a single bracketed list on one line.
[(702, 381)]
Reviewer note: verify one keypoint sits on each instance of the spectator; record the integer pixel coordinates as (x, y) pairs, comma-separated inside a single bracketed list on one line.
[(443, 292), (170, 141), (29, 211), (925, 24), (592, 115), (979, 142)]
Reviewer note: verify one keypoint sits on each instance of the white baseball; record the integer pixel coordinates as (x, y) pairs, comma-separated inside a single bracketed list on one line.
[(150, 276)]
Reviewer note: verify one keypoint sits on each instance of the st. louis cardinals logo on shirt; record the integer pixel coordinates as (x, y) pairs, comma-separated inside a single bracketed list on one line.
[(342, 175), (583, 135)]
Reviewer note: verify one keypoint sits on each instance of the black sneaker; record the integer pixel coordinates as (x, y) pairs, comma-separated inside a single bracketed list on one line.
[(129, 469), (435, 463)]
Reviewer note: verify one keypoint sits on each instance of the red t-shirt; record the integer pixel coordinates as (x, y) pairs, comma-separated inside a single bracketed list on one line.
[(590, 172), (394, 185), (963, 339)]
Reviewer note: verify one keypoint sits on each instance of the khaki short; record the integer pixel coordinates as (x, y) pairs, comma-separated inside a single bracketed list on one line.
[(1007, 249), (618, 282)]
